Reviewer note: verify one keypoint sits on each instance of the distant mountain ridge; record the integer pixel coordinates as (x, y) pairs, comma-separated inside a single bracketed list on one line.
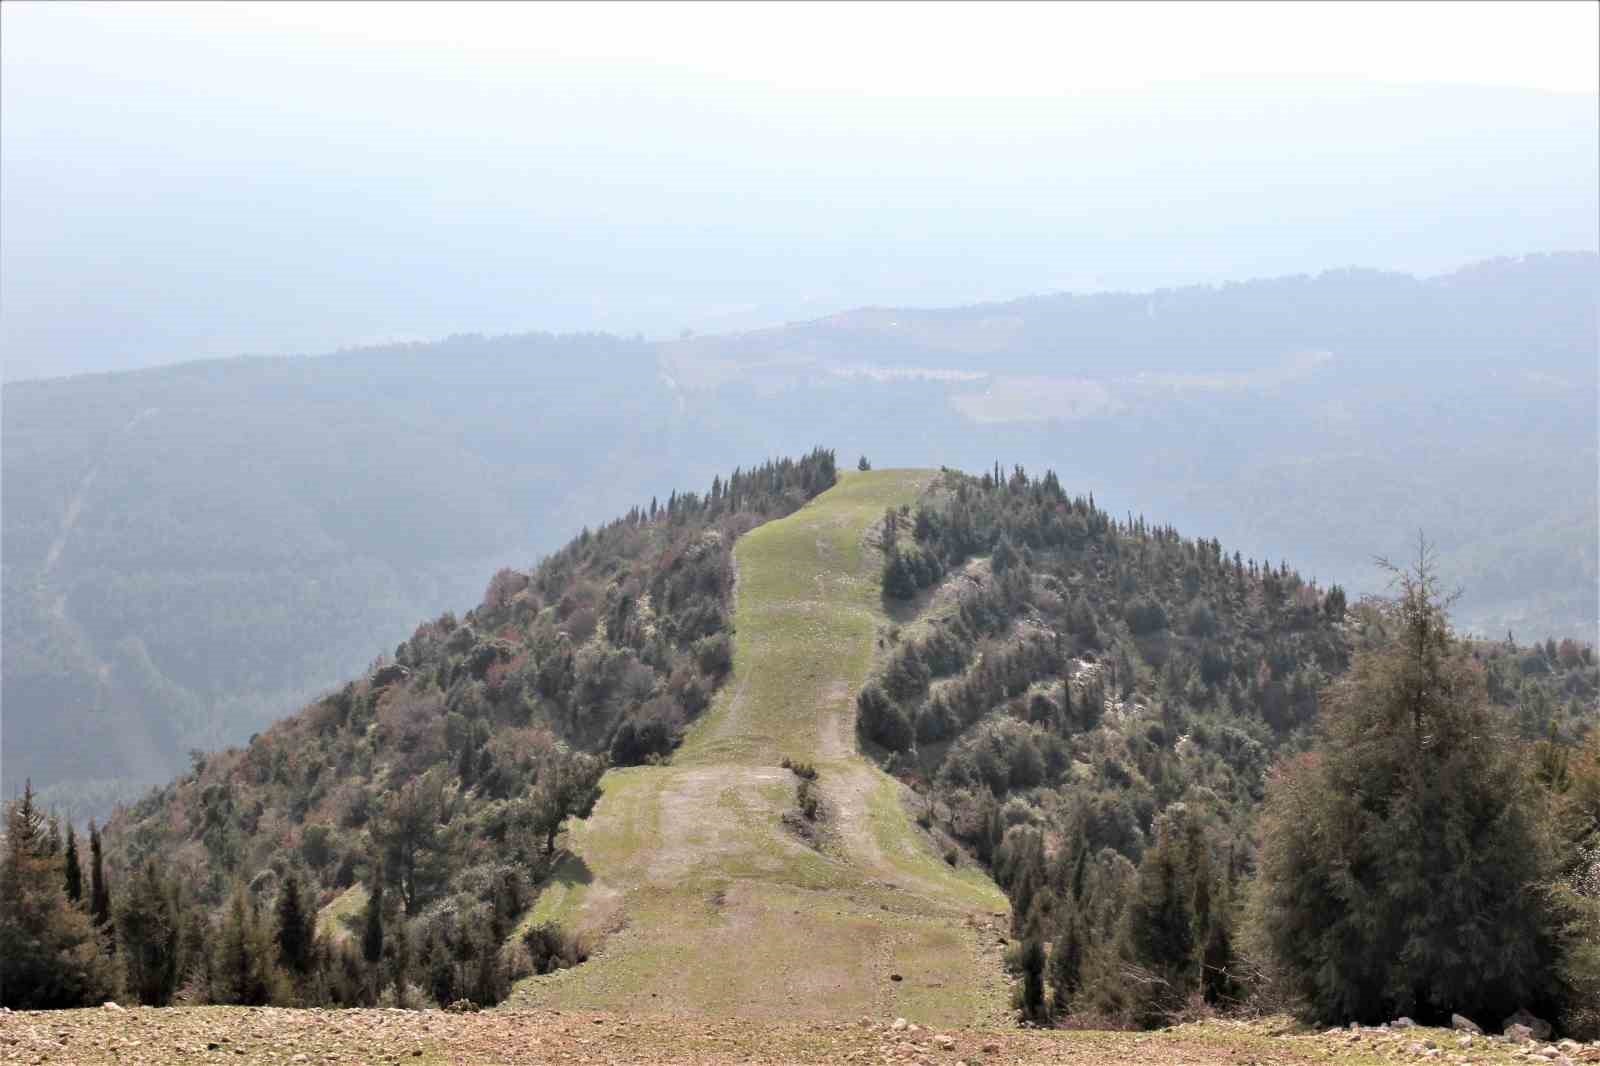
[(193, 550)]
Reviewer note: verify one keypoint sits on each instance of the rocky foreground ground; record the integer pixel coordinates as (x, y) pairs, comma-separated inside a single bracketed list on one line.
[(270, 1035)]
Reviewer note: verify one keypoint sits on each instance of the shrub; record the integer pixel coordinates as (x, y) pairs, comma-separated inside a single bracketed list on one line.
[(882, 721), (550, 948)]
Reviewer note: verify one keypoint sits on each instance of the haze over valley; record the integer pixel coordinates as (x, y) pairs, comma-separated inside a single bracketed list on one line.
[(800, 533)]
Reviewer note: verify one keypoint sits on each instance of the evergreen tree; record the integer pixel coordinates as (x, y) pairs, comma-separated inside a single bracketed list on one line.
[(1401, 858), (1066, 959), (99, 887), (148, 930), (372, 925), (1005, 555), (73, 872), (197, 962), (244, 969), (1033, 980), (49, 953), (1160, 922), (296, 928)]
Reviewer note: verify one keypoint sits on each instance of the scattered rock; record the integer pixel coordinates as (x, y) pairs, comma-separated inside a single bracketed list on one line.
[(899, 1025), (111, 1004), (948, 1043), (896, 977), (1518, 1034), (1463, 1024), (1402, 1023), (1538, 1026)]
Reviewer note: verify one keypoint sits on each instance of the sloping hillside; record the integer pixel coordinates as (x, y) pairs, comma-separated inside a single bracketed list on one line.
[(712, 889), (191, 552)]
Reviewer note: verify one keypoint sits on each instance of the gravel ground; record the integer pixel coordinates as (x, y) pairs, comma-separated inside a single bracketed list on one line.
[(274, 1035)]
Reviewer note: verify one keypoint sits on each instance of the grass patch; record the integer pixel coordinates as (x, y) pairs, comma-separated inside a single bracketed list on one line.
[(335, 919), (906, 849)]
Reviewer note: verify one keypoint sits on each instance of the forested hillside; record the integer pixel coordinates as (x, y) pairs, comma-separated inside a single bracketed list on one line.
[(1093, 707), (426, 797), (1149, 742), (192, 552)]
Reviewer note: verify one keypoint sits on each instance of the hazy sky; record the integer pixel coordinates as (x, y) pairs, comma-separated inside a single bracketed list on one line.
[(187, 180)]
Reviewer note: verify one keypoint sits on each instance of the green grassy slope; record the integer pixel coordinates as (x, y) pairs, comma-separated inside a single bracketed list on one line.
[(703, 900)]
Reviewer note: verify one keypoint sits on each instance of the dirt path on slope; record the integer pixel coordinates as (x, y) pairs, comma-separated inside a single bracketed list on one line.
[(698, 895), (74, 509)]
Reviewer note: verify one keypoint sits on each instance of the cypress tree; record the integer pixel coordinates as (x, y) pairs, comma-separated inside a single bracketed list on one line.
[(295, 928), (1080, 873), (99, 888), (372, 930), (1032, 979), (1066, 959), (73, 872)]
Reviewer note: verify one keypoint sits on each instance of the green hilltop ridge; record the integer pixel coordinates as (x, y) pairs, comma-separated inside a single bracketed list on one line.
[(722, 907), (816, 745)]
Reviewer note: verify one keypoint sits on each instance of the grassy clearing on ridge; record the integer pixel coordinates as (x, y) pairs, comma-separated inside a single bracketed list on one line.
[(711, 905)]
